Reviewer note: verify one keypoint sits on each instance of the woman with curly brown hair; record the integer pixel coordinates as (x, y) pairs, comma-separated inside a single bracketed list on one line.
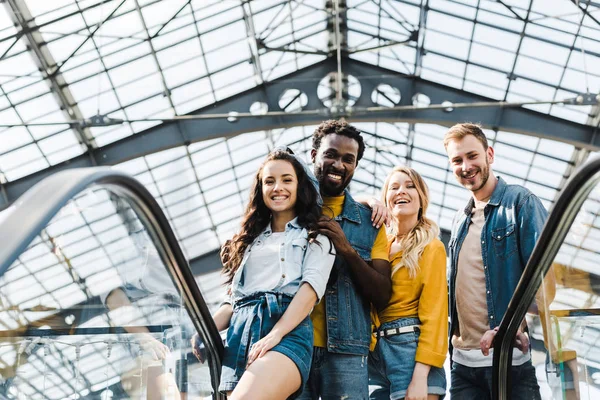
[(277, 268)]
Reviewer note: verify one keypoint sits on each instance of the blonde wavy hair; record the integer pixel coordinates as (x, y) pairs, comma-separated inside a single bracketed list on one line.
[(413, 244)]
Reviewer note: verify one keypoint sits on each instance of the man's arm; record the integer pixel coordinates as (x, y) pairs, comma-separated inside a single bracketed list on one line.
[(531, 219), (373, 279)]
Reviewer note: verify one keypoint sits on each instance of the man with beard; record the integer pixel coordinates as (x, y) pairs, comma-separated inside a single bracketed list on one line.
[(492, 239), (360, 276)]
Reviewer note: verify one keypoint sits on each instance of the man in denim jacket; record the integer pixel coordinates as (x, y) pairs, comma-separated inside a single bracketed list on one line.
[(492, 239), (360, 275)]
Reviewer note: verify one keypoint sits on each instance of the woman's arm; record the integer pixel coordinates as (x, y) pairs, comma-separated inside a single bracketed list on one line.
[(222, 317), (299, 308), (417, 389)]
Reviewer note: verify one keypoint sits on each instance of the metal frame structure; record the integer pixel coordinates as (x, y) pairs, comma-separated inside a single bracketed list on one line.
[(108, 60)]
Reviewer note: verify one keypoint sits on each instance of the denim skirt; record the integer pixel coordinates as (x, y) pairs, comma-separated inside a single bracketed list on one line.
[(253, 318), (392, 363)]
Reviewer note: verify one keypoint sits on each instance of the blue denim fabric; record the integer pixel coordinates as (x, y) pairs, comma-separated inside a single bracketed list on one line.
[(253, 318), (347, 313), (335, 376), (468, 383), (300, 262), (392, 363), (514, 218)]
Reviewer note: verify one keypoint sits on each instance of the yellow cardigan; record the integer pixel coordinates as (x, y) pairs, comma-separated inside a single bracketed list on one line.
[(425, 296)]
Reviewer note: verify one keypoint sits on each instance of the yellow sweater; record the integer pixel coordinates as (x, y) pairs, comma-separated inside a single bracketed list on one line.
[(425, 296)]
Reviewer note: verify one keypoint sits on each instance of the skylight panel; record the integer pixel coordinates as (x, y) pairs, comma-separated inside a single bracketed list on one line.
[(556, 149), (445, 44), (122, 23), (140, 90), (27, 92), (189, 91), (223, 36), (532, 90), (106, 135), (498, 59), (228, 55), (154, 107), (177, 181), (580, 82), (538, 70), (455, 26), (509, 23), (13, 138), (183, 51), (496, 37), (58, 143), (216, 14), (99, 102), (201, 243), (454, 8)]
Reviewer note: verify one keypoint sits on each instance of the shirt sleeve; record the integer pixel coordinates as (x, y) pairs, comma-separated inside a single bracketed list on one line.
[(531, 219), (433, 307), (318, 263), (228, 296), (380, 247)]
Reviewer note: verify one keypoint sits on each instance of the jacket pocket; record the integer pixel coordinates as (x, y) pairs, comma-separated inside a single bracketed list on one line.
[(505, 243)]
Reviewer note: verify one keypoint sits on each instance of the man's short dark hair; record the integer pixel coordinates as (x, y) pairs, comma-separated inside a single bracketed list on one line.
[(339, 127)]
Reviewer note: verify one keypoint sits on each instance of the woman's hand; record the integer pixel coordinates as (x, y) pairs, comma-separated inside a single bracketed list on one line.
[(417, 390), (380, 215), (198, 348), (265, 344), (150, 345)]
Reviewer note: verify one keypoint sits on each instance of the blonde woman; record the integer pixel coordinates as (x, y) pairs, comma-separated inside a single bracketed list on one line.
[(412, 331)]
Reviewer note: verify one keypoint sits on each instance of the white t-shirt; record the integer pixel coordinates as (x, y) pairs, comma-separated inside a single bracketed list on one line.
[(258, 272)]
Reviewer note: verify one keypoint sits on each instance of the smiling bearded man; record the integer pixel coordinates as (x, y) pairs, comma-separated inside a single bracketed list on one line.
[(492, 239), (361, 272)]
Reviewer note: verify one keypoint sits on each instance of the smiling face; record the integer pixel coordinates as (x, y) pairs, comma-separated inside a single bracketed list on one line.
[(335, 162), (402, 196), (470, 162), (279, 186)]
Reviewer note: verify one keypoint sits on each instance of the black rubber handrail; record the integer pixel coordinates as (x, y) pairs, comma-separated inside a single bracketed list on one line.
[(557, 226), (35, 209)]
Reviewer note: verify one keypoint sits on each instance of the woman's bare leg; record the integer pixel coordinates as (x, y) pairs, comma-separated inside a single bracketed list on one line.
[(273, 376)]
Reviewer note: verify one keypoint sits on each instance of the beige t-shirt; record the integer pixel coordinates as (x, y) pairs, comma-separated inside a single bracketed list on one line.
[(471, 304)]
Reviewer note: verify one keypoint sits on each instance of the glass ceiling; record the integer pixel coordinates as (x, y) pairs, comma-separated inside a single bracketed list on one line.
[(67, 60)]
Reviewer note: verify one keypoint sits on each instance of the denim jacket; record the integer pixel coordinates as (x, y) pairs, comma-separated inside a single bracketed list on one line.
[(347, 313), (514, 218), (299, 262)]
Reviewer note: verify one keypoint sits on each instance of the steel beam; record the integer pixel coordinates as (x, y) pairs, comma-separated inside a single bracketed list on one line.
[(21, 16), (169, 135)]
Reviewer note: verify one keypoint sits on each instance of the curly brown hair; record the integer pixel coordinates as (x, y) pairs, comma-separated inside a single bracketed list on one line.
[(339, 127), (257, 216)]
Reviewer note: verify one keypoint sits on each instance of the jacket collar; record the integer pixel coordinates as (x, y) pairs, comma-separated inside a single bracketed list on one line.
[(494, 200), (350, 210), (292, 224)]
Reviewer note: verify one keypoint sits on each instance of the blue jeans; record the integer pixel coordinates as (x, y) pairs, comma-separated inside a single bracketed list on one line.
[(253, 318), (336, 376), (392, 363), (476, 383)]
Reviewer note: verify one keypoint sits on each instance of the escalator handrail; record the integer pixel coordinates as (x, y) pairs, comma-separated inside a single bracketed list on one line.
[(555, 230), (35, 209)]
